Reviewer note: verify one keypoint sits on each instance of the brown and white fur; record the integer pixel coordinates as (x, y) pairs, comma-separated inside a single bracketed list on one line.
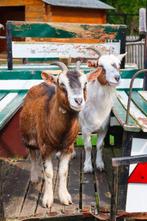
[(100, 97), (49, 123)]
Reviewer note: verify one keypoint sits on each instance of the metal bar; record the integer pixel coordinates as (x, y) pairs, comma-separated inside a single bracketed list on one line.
[(123, 45), (123, 161), (130, 92), (145, 55), (9, 45)]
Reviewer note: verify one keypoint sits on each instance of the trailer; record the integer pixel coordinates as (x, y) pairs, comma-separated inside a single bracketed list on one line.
[(103, 195)]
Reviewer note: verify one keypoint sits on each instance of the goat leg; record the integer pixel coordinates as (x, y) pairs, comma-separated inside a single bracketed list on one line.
[(64, 195), (48, 176), (35, 167)]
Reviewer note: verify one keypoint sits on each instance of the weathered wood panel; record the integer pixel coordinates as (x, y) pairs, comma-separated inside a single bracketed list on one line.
[(120, 113), (66, 30), (59, 50), (15, 182), (88, 190), (74, 183), (135, 112)]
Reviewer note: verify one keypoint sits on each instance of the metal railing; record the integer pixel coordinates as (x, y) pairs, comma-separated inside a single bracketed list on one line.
[(135, 52)]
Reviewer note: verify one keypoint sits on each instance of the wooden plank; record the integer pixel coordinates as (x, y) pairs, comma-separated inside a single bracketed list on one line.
[(40, 211), (103, 191), (31, 200), (57, 208), (128, 73), (7, 99), (12, 85), (28, 73), (107, 156), (9, 111), (2, 95), (143, 94), (15, 181), (140, 118), (125, 84), (60, 50), (33, 72), (120, 113), (103, 181), (66, 30), (74, 184), (88, 189), (139, 102)]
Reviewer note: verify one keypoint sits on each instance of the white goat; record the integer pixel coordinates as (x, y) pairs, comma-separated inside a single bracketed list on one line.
[(100, 96)]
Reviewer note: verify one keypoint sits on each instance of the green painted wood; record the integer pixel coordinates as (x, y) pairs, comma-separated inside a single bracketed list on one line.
[(34, 73), (20, 74), (66, 30), (139, 101), (2, 94), (128, 73), (120, 113), (8, 112)]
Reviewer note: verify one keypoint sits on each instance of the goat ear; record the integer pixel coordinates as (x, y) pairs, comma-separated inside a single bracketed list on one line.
[(48, 78), (121, 56), (92, 63), (94, 74)]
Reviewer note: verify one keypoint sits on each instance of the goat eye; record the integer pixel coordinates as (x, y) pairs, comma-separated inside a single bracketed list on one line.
[(62, 85)]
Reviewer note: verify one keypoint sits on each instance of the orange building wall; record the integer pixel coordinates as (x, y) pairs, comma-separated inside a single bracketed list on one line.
[(75, 15), (37, 10)]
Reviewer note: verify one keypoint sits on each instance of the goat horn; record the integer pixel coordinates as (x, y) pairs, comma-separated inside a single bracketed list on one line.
[(78, 65), (60, 64), (95, 50)]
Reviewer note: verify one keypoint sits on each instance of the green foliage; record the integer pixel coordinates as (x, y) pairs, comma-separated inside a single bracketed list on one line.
[(126, 12)]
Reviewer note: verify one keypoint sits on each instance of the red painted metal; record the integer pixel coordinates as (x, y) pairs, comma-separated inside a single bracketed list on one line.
[(10, 139), (139, 174)]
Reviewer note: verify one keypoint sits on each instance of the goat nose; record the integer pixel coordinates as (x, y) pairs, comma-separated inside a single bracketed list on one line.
[(78, 100), (117, 78)]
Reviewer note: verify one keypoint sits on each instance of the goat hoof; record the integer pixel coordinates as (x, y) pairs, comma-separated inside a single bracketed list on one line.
[(100, 165), (65, 198), (47, 201), (88, 168)]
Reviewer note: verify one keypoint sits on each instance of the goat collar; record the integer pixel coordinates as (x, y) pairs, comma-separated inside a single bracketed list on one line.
[(102, 77)]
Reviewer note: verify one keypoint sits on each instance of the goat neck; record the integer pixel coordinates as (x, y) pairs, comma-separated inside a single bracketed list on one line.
[(62, 127)]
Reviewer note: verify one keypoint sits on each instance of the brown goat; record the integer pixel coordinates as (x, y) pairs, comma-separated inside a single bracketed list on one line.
[(49, 122)]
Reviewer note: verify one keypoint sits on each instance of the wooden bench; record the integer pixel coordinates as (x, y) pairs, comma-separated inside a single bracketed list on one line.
[(128, 124), (61, 41), (15, 83)]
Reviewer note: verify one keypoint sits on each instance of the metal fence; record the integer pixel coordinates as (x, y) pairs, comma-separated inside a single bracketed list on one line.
[(135, 52)]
